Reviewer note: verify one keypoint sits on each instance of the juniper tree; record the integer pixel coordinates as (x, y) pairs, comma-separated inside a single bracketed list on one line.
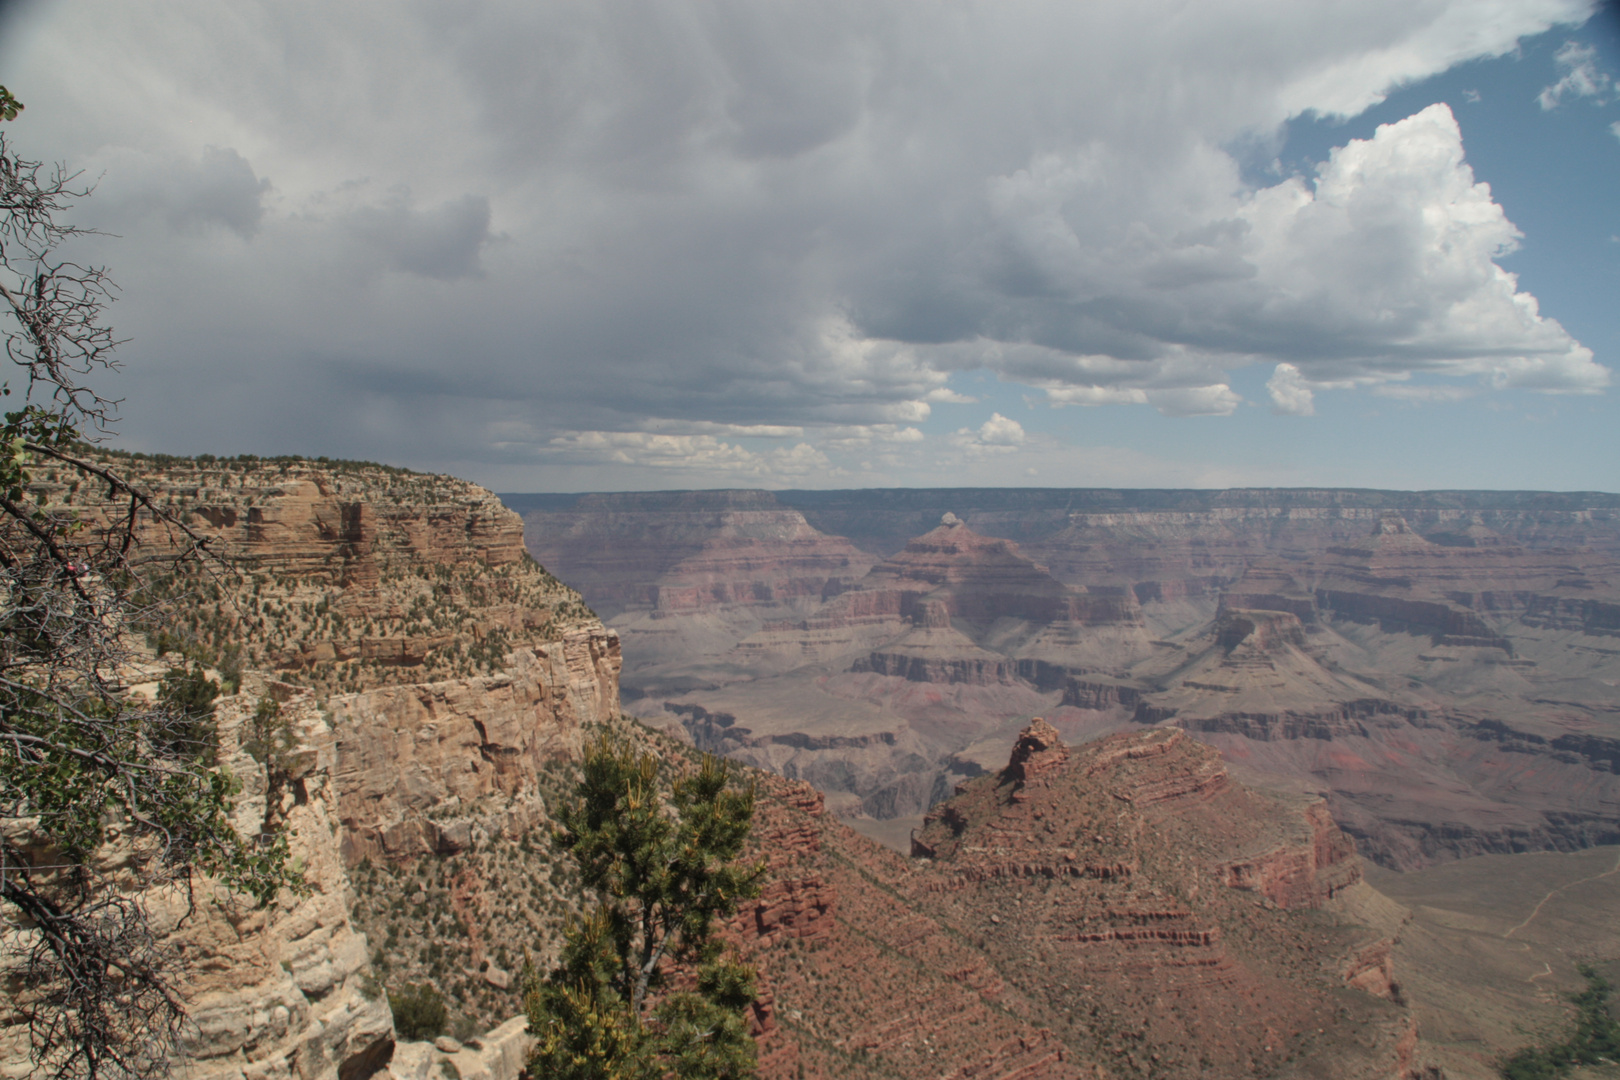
[(645, 988), (80, 964)]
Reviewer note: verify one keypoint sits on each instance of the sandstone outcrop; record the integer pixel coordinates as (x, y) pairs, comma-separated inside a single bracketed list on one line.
[(280, 993), (418, 763), (344, 576)]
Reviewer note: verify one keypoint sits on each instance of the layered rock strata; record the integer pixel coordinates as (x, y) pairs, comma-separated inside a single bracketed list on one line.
[(445, 680), (418, 764), (1121, 908), (342, 576), (1401, 652), (279, 993)]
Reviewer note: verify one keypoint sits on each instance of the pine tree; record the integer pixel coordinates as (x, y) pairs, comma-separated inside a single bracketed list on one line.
[(644, 988)]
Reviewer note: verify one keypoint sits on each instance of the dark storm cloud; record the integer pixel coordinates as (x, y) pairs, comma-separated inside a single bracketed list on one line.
[(192, 195), (441, 243)]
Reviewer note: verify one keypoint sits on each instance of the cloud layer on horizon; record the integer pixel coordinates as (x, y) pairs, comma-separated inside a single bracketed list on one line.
[(711, 240)]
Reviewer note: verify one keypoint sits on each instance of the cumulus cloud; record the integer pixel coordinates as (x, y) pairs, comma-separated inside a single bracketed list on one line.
[(662, 239), (1381, 265), (997, 435), (1291, 395), (1001, 431), (1582, 77)]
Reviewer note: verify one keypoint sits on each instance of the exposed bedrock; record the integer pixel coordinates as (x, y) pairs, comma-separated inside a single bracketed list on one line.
[(1132, 866), (418, 766), (276, 992), (357, 577), (1447, 623), (690, 551)]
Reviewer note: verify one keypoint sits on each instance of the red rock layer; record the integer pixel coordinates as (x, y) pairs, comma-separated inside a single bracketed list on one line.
[(855, 982), (1081, 913), (953, 572)]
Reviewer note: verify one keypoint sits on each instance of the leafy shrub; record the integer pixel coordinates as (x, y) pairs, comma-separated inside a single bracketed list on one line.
[(189, 693), (419, 1012)]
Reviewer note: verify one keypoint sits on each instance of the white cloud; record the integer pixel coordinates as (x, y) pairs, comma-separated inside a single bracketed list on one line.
[(1001, 431), (648, 450), (1387, 267), (696, 454), (997, 435), (1291, 395), (1582, 77), (1095, 395), (1216, 400), (739, 431)]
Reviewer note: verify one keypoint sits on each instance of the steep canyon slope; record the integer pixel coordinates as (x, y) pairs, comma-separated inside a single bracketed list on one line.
[(435, 682), (1444, 667), (1124, 908), (1121, 909)]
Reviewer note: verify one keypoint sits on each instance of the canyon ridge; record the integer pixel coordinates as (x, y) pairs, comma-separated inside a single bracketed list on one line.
[(1442, 667)]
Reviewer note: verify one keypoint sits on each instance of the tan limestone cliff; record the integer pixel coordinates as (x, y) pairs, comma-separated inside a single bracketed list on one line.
[(280, 992)]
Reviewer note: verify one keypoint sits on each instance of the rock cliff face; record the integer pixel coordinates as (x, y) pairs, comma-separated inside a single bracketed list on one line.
[(346, 576), (280, 993), (438, 680), (686, 575), (420, 764), (1120, 909)]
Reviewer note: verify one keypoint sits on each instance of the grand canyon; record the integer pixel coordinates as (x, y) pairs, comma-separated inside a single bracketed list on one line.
[(1440, 667), (1050, 784)]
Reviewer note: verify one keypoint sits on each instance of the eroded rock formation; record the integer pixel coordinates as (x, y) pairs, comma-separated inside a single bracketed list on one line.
[(1400, 652), (437, 680), (1121, 908)]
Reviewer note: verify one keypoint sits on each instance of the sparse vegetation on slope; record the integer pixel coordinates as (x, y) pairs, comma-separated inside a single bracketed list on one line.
[(1594, 1041), (346, 575), (461, 923)]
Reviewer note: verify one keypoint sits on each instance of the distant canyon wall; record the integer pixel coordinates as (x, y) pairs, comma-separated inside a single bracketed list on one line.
[(1350, 641)]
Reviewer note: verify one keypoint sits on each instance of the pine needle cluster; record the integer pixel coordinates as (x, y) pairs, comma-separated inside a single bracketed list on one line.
[(645, 987)]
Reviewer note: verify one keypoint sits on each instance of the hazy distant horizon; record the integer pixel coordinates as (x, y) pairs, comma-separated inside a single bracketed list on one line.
[(822, 494)]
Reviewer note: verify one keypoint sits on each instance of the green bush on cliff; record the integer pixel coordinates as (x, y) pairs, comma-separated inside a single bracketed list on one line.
[(419, 1012), (190, 693), (1596, 1037), (644, 990)]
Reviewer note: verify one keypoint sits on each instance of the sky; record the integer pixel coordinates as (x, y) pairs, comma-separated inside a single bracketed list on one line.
[(553, 246)]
